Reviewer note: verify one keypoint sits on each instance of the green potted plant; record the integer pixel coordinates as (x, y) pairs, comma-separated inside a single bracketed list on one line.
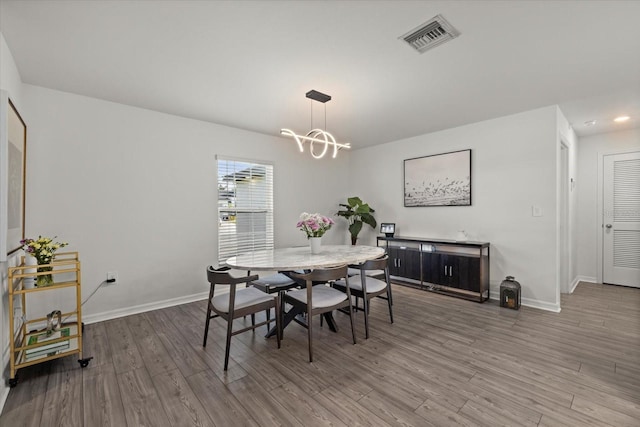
[(357, 213)]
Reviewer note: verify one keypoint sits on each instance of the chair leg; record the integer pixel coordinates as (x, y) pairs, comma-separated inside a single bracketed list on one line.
[(309, 323), (365, 302), (389, 302), (206, 325), (353, 329), (280, 314), (228, 346), (268, 314), (253, 321), (278, 324)]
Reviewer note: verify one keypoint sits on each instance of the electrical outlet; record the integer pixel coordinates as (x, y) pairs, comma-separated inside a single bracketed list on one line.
[(112, 276)]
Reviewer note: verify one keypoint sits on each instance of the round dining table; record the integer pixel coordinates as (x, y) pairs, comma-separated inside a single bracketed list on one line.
[(301, 258), (287, 260)]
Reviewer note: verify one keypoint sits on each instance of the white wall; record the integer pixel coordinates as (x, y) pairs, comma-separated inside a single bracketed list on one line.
[(11, 83), (514, 162), (591, 149), (134, 191)]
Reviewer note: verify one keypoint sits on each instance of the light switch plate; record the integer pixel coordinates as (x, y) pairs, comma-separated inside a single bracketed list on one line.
[(536, 211)]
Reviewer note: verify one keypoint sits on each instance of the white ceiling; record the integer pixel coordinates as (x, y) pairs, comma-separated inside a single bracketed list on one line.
[(249, 64)]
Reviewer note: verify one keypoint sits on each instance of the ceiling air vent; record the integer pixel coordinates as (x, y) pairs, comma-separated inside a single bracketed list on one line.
[(430, 34)]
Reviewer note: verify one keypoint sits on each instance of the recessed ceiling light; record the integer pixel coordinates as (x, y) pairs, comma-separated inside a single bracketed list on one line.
[(590, 123), (621, 119)]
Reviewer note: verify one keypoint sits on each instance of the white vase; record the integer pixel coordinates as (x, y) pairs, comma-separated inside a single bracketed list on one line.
[(30, 282), (314, 242)]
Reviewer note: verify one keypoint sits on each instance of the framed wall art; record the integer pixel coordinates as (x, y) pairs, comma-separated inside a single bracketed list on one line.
[(13, 147), (438, 180)]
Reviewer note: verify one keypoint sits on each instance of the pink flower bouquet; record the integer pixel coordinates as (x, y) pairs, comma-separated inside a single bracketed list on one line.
[(314, 225)]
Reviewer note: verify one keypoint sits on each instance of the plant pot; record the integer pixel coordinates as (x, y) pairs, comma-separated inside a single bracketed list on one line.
[(354, 239)]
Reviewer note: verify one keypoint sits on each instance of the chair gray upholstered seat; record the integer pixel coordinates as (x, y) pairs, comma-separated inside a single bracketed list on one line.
[(244, 298), (372, 284), (273, 282), (353, 271), (323, 296)]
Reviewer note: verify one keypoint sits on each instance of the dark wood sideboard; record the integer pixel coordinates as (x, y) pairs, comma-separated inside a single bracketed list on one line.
[(457, 268)]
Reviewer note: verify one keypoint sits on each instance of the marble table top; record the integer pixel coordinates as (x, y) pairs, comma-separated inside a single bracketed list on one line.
[(299, 258)]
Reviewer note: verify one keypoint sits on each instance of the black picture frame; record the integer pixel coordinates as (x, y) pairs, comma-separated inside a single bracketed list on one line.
[(13, 148), (438, 180)]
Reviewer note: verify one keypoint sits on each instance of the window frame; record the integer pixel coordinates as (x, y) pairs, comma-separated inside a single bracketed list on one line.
[(241, 212)]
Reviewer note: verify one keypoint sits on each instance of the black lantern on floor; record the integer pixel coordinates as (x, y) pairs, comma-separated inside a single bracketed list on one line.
[(510, 293)]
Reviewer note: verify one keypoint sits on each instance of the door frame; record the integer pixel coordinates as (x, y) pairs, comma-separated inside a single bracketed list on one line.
[(600, 208), (563, 217)]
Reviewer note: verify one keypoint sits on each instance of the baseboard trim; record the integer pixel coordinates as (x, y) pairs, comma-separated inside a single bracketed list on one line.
[(4, 388), (579, 279), (528, 302), (4, 396), (114, 314), (542, 305)]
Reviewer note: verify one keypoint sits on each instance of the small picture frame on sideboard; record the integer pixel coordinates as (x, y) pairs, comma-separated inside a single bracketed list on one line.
[(388, 228)]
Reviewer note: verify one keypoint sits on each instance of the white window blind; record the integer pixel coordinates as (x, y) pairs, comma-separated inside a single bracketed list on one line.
[(245, 207)]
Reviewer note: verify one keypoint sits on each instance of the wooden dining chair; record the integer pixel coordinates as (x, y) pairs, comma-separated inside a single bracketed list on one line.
[(237, 303), (320, 299), (275, 283), (367, 287)]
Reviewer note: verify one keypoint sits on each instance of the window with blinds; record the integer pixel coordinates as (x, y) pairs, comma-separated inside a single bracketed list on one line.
[(245, 207)]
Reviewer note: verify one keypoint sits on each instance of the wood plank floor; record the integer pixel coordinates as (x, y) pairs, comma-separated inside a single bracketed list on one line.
[(445, 361)]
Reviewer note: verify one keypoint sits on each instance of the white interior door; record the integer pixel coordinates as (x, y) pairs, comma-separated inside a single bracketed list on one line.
[(621, 228)]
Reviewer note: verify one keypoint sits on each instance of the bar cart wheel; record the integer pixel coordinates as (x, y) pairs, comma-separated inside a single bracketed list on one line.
[(84, 362), (13, 382)]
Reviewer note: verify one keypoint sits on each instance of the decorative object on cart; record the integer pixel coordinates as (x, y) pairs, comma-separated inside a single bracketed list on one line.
[(49, 343), (510, 293), (317, 135), (357, 213), (51, 325), (13, 146), (388, 228), (314, 226), (438, 180), (43, 249)]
